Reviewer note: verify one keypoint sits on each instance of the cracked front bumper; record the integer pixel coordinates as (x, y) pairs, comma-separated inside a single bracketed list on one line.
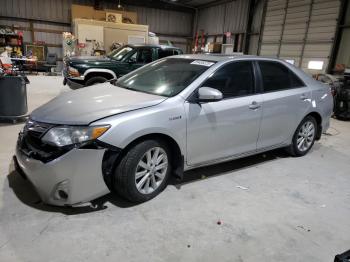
[(78, 173)]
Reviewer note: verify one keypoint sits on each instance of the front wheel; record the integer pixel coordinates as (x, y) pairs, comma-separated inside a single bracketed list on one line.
[(95, 80), (143, 171), (304, 137)]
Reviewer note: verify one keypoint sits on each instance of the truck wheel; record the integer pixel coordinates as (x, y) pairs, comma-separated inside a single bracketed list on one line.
[(143, 171), (304, 137), (95, 80)]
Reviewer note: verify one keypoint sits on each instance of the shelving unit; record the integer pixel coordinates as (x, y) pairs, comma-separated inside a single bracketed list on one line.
[(12, 40)]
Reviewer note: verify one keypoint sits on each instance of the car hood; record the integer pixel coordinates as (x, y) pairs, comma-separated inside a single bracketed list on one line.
[(96, 60), (85, 105)]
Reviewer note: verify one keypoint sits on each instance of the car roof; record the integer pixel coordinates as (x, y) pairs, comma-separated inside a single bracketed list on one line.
[(150, 45), (223, 57)]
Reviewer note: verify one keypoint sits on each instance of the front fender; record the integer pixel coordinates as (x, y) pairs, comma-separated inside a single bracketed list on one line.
[(167, 118), (99, 70)]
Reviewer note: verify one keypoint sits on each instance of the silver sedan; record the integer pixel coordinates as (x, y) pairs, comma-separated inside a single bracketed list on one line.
[(172, 115)]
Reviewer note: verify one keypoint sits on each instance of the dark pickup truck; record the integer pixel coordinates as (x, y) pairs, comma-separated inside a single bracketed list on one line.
[(83, 71)]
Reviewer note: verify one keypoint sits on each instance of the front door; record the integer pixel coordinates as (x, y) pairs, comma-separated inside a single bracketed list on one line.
[(138, 58), (218, 130)]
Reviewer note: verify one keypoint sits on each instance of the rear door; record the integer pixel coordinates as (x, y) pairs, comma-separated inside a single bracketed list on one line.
[(286, 99), (142, 56), (221, 129)]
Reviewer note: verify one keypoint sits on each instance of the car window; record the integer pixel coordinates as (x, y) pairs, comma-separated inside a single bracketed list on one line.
[(120, 53), (278, 77), (133, 57), (234, 79), (166, 77), (165, 52), (144, 56)]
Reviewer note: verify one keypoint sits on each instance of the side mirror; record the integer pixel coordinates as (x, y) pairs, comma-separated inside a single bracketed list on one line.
[(208, 94)]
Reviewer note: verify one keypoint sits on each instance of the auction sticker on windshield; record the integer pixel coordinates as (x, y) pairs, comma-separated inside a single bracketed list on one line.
[(202, 63)]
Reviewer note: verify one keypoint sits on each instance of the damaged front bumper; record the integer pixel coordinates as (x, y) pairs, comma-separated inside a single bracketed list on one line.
[(71, 177)]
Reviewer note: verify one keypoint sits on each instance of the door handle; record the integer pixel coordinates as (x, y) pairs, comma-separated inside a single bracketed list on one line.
[(254, 105)]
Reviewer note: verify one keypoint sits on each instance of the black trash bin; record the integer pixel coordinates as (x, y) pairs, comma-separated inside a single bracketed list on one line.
[(13, 97)]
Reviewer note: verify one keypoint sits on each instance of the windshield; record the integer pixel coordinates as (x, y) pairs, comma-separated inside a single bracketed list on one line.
[(119, 53), (167, 77)]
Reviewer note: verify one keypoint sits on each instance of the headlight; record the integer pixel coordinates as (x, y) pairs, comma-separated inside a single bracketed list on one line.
[(68, 135), (73, 72)]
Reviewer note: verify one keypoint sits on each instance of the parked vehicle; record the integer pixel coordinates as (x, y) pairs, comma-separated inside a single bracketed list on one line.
[(331, 80), (172, 115), (342, 98), (80, 71)]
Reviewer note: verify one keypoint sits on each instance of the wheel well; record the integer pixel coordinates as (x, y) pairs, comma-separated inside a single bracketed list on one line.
[(318, 119), (103, 74), (177, 159)]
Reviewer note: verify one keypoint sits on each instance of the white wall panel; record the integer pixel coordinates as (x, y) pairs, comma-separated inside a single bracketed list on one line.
[(269, 50), (291, 50)]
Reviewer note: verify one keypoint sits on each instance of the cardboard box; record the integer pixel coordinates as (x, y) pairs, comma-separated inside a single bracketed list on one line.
[(82, 11), (88, 12), (214, 48), (128, 17), (114, 17)]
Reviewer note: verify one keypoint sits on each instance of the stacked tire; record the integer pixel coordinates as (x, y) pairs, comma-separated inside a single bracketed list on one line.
[(342, 102)]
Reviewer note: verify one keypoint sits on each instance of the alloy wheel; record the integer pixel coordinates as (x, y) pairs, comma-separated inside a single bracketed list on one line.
[(306, 136), (151, 170)]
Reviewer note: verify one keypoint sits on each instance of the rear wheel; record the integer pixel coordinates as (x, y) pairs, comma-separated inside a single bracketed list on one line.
[(304, 137), (143, 172), (95, 80)]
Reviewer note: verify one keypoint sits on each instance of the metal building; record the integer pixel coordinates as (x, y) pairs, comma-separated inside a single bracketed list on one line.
[(307, 33)]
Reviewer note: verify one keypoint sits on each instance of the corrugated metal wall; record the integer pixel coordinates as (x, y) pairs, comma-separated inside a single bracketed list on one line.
[(343, 56), (229, 17), (164, 21), (300, 30), (167, 22), (160, 21), (48, 10), (256, 26)]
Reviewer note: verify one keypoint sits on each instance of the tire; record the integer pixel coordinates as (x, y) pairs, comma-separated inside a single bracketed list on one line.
[(308, 123), (133, 188), (95, 80)]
